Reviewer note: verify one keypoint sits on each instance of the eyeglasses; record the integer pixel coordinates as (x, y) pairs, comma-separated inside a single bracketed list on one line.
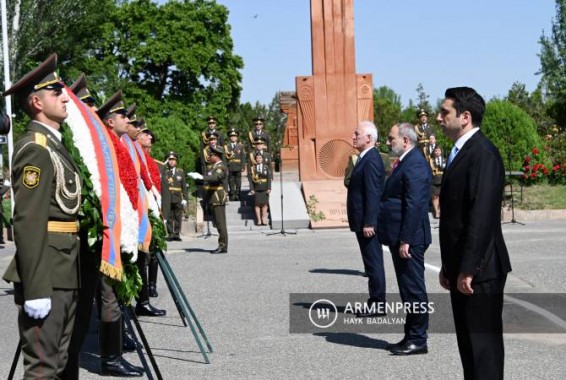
[(211, 122)]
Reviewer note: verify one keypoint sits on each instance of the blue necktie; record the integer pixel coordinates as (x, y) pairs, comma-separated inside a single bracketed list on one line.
[(452, 155)]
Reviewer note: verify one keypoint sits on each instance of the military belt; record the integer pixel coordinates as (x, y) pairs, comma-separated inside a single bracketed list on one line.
[(175, 189), (260, 180), (66, 227), (235, 160), (206, 187)]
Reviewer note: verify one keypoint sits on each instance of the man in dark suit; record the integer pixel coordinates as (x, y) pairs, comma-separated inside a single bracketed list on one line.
[(475, 261), (364, 192), (404, 227)]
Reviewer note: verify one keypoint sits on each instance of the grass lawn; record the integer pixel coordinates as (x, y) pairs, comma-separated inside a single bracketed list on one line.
[(540, 197)]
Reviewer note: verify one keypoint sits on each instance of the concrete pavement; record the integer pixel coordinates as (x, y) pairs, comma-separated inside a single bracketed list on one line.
[(242, 301)]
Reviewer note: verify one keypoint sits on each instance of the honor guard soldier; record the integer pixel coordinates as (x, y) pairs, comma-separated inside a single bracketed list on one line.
[(423, 129), (47, 194), (235, 158), (260, 187), (437, 164), (113, 338), (212, 123), (259, 133), (215, 195), (260, 149), (212, 141), (175, 195)]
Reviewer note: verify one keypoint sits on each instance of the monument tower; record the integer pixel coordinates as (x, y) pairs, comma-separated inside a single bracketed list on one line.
[(330, 104)]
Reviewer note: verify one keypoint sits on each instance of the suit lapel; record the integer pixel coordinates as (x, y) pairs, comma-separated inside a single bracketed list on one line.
[(461, 156)]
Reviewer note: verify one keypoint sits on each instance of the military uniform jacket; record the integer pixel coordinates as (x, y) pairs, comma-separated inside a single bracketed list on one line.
[(267, 159), (214, 184), (204, 139), (235, 157), (175, 184), (208, 163), (44, 260), (260, 180), (253, 135)]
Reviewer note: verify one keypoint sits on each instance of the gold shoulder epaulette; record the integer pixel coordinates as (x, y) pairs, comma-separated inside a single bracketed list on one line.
[(40, 139)]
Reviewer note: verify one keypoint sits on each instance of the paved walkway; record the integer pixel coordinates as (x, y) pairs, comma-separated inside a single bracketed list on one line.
[(242, 301)]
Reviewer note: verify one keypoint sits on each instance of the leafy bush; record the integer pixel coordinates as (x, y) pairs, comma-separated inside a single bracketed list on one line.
[(512, 131)]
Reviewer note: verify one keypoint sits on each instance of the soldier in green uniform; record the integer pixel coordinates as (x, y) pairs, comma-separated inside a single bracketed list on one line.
[(259, 133), (212, 141), (174, 188), (111, 327), (212, 124), (261, 150), (47, 191), (423, 129), (260, 187), (235, 158), (216, 194)]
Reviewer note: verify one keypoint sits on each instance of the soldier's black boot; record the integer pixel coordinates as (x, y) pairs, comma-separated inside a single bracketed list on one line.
[(143, 307), (152, 269), (128, 339), (110, 342)]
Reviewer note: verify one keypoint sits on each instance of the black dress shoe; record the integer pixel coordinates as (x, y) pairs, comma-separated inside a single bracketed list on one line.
[(152, 289), (147, 310), (119, 367), (177, 239), (219, 250), (409, 348), (396, 345), (128, 342)]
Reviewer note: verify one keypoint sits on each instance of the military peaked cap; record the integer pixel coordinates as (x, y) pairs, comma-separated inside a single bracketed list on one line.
[(212, 135), (42, 77), (170, 155), (210, 118), (258, 118), (422, 112), (113, 105), (79, 88), (233, 132), (131, 114)]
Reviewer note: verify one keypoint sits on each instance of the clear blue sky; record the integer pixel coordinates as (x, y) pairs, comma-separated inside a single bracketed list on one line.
[(485, 44)]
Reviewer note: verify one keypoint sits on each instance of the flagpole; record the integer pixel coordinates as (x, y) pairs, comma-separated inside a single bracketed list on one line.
[(7, 84)]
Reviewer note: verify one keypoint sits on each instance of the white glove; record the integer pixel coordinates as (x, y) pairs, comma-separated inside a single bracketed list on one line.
[(38, 308), (195, 175), (183, 203)]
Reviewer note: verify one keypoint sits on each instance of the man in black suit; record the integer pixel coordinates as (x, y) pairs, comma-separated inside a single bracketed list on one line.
[(404, 227), (475, 261), (364, 192)]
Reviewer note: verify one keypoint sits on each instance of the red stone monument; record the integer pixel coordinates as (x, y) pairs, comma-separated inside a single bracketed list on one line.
[(330, 104)]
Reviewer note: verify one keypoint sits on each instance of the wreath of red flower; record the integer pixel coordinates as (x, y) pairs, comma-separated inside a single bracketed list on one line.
[(153, 171), (128, 175), (144, 173)]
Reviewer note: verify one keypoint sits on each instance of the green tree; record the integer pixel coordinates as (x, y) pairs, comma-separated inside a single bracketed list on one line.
[(553, 65), (422, 99), (511, 130), (36, 29), (386, 111), (175, 61), (533, 104)]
